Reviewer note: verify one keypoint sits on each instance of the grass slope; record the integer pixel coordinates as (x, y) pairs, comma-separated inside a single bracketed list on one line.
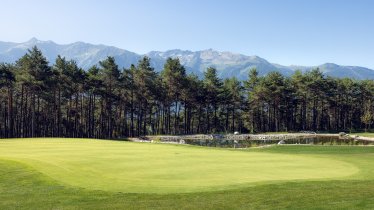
[(159, 168), (27, 185)]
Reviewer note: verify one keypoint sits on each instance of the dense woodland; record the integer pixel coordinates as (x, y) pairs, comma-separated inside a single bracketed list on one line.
[(63, 100)]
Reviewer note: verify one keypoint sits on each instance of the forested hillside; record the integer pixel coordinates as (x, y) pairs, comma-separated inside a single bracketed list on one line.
[(63, 100)]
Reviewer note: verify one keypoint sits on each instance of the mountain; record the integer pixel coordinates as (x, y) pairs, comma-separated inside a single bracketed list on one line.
[(335, 70), (227, 64), (85, 54)]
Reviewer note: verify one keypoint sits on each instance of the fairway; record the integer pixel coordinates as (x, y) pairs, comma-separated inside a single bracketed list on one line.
[(127, 167)]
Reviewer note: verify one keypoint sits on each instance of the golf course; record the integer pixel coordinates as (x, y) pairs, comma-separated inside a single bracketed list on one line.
[(57, 173)]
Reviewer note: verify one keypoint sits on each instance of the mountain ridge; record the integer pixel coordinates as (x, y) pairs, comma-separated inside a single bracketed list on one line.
[(228, 64)]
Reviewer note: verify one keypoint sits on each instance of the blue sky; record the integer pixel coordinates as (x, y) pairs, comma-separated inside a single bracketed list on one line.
[(304, 32)]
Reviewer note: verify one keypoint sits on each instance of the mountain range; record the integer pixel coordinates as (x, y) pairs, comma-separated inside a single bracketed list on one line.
[(228, 64)]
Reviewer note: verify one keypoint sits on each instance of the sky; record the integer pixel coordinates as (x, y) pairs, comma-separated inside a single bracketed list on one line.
[(287, 32)]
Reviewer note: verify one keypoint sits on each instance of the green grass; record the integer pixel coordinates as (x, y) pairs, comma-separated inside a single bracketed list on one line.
[(366, 134), (76, 174)]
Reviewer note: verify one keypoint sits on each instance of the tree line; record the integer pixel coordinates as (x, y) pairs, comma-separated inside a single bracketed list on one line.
[(63, 100)]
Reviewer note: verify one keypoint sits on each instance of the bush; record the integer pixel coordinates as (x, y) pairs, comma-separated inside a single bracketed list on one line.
[(156, 140)]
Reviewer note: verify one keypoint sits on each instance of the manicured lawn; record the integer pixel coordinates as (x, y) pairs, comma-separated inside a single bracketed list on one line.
[(74, 173)]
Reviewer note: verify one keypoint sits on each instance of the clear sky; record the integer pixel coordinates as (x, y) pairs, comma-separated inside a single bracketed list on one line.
[(304, 32)]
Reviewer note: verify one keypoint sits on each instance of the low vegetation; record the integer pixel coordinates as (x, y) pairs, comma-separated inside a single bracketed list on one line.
[(365, 134), (71, 174)]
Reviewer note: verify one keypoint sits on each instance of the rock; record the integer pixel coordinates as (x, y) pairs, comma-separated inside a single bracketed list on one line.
[(341, 134), (281, 142)]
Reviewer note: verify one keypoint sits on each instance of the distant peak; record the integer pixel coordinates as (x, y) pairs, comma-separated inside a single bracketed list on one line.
[(209, 50), (330, 65), (79, 43), (33, 40)]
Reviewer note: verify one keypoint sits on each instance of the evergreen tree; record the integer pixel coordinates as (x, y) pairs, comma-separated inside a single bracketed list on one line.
[(63, 100), (174, 78), (213, 86)]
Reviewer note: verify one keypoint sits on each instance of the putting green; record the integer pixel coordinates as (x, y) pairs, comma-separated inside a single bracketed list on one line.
[(159, 168)]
